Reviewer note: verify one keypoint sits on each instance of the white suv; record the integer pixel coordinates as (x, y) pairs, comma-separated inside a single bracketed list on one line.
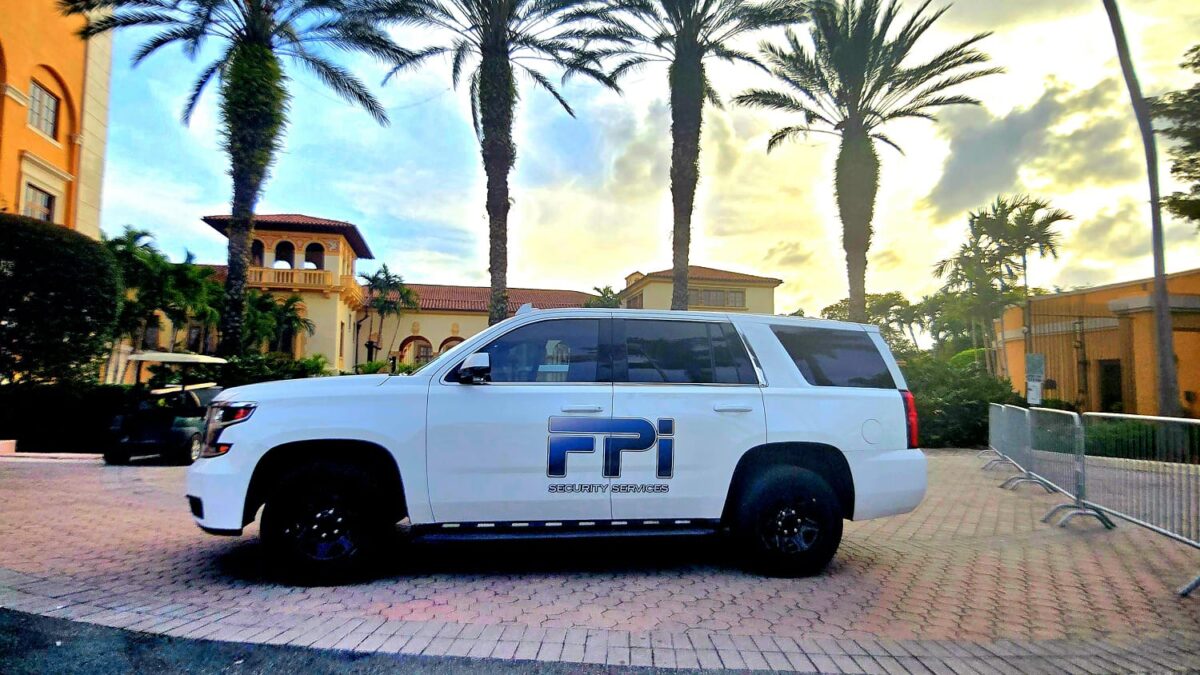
[(580, 421)]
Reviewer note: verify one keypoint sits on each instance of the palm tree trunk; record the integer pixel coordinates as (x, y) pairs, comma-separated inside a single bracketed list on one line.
[(687, 110), (253, 114), (496, 103), (1026, 311), (856, 182), (1168, 380)]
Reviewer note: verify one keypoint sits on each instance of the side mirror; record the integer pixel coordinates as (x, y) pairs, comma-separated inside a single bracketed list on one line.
[(476, 369)]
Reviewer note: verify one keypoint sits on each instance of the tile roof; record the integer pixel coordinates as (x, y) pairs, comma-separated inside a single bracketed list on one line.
[(438, 297), (699, 273), (298, 222)]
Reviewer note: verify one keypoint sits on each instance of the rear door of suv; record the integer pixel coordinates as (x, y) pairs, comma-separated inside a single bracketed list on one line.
[(690, 382)]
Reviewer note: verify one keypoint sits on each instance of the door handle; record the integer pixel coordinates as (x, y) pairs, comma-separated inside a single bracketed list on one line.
[(732, 408), (582, 408)]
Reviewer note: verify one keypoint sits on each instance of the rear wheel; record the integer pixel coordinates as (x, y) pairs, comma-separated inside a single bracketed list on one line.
[(325, 523), (789, 522), (190, 452)]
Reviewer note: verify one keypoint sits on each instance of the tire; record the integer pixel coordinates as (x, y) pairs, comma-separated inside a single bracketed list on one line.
[(190, 452), (325, 523), (116, 457), (790, 523)]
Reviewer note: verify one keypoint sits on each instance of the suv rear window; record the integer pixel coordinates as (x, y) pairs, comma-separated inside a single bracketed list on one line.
[(835, 358), (685, 352)]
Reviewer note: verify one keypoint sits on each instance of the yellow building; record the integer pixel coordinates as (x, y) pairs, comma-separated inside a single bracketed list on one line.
[(316, 258), (1099, 348), (708, 289), (53, 115)]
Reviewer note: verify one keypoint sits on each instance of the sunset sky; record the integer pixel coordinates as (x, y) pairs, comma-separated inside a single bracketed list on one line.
[(591, 195)]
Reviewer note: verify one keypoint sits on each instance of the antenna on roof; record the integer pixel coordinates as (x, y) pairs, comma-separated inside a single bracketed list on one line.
[(525, 309)]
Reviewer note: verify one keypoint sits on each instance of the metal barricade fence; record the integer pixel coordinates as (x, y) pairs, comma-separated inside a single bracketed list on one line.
[(1145, 470)]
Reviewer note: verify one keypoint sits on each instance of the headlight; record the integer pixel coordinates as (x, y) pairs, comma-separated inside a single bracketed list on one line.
[(220, 415)]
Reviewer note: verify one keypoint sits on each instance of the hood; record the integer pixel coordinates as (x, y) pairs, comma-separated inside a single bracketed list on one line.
[(338, 385)]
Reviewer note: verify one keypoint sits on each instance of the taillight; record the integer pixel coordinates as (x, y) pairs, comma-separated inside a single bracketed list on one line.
[(910, 416)]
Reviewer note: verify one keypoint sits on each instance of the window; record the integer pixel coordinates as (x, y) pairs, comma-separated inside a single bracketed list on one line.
[(341, 339), (314, 257), (566, 350), (285, 256), (424, 353), (835, 358), (256, 253), (39, 204), (635, 302), (716, 297), (43, 110), (686, 352)]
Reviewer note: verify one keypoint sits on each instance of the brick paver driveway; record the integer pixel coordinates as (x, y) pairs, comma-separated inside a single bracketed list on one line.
[(971, 581)]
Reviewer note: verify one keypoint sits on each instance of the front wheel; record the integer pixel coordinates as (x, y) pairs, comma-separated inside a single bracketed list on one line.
[(324, 523), (789, 522)]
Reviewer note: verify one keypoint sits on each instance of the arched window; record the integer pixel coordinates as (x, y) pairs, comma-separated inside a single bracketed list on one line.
[(314, 257), (448, 343), (285, 256), (256, 253)]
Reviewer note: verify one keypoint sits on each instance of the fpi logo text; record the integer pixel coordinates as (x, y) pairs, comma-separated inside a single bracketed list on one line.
[(621, 434)]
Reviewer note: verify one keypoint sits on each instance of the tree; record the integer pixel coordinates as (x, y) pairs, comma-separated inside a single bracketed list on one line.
[(60, 295), (1168, 379), (290, 321), (684, 34), (1021, 225), (606, 297), (260, 321), (890, 311), (255, 36), (1181, 111), (379, 303), (853, 81), (506, 38)]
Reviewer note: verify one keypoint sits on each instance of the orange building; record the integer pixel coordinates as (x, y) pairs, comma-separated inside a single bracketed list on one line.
[(1098, 345), (53, 115)]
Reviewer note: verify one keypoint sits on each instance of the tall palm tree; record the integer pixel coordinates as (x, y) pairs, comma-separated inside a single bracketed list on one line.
[(255, 37), (1168, 378), (1021, 225), (854, 80), (982, 271), (260, 321), (386, 296), (685, 34), (499, 40)]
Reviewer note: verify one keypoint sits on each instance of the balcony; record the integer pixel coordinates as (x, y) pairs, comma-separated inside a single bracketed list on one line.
[(297, 280)]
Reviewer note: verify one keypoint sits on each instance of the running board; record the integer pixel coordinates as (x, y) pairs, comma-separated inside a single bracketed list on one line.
[(586, 529)]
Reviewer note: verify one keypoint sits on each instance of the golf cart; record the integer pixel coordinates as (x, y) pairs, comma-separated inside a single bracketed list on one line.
[(169, 421)]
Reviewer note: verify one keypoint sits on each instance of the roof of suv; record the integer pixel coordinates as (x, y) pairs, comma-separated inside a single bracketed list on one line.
[(738, 317)]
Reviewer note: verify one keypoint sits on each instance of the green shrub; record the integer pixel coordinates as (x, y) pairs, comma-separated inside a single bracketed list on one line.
[(1142, 440), (253, 368), (371, 367), (968, 357), (59, 296), (952, 401), (60, 417)]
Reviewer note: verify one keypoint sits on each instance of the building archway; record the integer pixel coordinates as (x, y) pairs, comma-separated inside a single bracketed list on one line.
[(285, 256), (415, 349), (449, 343), (314, 257), (256, 253)]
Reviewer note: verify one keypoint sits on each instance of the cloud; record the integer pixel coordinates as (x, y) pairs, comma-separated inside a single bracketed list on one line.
[(996, 14), (1123, 233), (790, 254), (1064, 140)]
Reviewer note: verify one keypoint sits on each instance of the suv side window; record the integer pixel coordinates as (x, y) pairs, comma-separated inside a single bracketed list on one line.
[(685, 352), (556, 350), (835, 358)]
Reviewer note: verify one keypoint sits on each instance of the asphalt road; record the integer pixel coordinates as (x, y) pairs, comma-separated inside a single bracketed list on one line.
[(36, 645)]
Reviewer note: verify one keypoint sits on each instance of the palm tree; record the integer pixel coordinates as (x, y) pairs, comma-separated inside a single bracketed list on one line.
[(853, 81), (606, 297), (1021, 225), (386, 296), (1168, 378), (506, 38), (684, 34), (255, 36), (260, 321), (289, 321)]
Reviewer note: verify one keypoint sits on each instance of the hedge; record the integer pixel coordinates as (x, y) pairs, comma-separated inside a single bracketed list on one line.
[(59, 296), (68, 417), (952, 400)]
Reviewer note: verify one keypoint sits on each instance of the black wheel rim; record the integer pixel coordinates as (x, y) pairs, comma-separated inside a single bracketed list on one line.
[(323, 532), (790, 529)]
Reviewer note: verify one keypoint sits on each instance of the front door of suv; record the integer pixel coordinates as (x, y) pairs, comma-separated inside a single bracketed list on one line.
[(491, 453), (692, 384)]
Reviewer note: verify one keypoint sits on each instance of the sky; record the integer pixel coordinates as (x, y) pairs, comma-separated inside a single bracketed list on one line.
[(591, 198)]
